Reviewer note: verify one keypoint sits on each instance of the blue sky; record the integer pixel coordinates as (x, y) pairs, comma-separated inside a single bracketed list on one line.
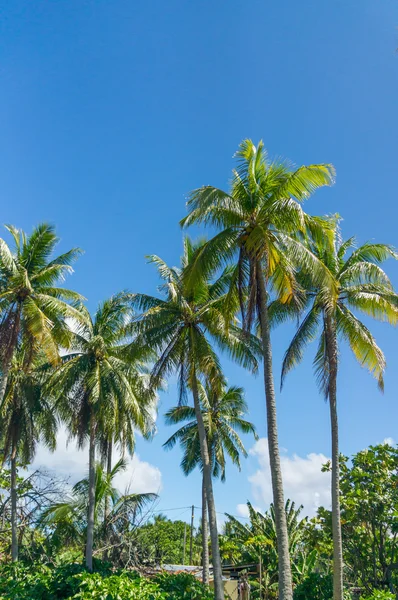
[(110, 112)]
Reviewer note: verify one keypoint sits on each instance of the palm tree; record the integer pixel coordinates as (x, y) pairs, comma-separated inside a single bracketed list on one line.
[(26, 417), (120, 427), (31, 304), (180, 328), (223, 414), (361, 285), (68, 519), (98, 382), (258, 220)]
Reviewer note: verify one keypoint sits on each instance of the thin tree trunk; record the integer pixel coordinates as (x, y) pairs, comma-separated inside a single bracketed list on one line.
[(108, 472), (205, 536), (14, 524), (106, 507), (207, 478), (332, 353), (284, 566), (91, 498)]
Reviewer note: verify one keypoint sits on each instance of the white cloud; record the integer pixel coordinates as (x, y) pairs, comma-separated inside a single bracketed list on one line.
[(72, 464), (389, 440), (242, 510), (303, 480), (139, 477)]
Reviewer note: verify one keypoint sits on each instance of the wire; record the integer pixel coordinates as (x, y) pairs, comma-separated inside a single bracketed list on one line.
[(225, 514), (169, 509)]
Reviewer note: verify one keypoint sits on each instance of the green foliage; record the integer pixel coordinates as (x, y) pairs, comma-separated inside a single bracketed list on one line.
[(315, 587), (183, 585), (66, 522), (223, 416), (45, 582), (361, 285), (379, 595), (161, 541), (369, 515), (246, 543), (32, 306)]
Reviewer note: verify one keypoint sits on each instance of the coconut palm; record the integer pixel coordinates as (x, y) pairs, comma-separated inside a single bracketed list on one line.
[(223, 414), (97, 383), (31, 304), (181, 328), (68, 519), (257, 222), (360, 285), (26, 417)]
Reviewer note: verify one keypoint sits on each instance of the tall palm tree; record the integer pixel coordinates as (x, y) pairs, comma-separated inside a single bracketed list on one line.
[(68, 519), (26, 417), (97, 382), (258, 219), (360, 285), (31, 304), (223, 414), (181, 328)]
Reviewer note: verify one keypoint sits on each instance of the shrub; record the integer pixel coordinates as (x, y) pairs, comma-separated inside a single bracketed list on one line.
[(183, 586), (45, 582), (379, 595), (315, 587)]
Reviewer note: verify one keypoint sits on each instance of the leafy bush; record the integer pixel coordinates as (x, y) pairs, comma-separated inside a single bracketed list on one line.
[(183, 586), (44, 582), (379, 595), (315, 587)]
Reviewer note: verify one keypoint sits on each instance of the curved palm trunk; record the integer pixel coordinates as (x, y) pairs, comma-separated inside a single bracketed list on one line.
[(205, 536), (332, 354), (14, 524), (284, 566), (208, 484), (91, 498)]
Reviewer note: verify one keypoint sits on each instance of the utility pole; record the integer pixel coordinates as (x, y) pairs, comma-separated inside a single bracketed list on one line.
[(191, 536), (184, 544)]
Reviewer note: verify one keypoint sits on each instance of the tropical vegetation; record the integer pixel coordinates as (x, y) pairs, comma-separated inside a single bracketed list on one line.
[(97, 376)]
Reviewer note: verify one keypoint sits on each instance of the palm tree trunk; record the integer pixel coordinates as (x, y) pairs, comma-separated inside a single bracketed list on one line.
[(108, 472), (4, 379), (332, 353), (284, 566), (205, 535), (8, 352), (91, 498), (106, 507), (208, 484), (14, 524)]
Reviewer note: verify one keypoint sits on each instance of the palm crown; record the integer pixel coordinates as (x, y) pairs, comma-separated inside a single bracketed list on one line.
[(26, 413), (361, 285), (258, 219), (223, 416), (102, 376), (69, 518), (181, 326), (31, 302)]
